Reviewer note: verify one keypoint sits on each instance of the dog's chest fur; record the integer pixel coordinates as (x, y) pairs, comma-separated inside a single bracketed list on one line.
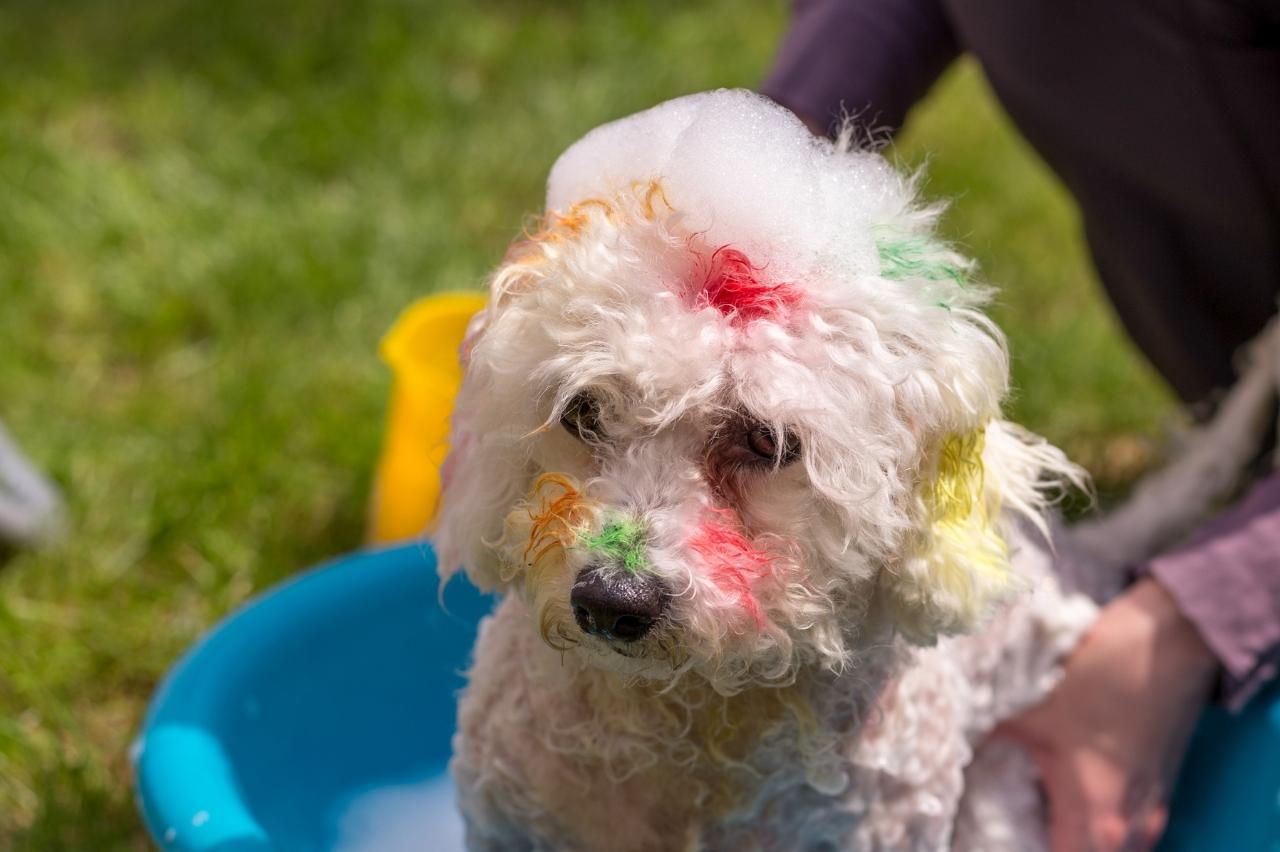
[(549, 755), (567, 766)]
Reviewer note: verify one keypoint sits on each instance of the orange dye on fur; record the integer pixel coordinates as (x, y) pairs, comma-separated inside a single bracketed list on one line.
[(732, 563), (653, 192), (557, 228), (555, 518), (731, 284)]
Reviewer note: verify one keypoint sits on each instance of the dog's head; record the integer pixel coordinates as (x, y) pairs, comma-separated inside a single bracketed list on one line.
[(733, 405)]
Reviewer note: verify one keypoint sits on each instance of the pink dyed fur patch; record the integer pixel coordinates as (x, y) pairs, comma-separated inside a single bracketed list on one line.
[(731, 562), (731, 284)]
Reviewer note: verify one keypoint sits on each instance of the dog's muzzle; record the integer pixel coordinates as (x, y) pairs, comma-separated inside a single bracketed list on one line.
[(617, 605)]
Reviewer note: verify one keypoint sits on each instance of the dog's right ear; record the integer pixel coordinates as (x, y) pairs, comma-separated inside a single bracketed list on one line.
[(480, 477), (484, 472)]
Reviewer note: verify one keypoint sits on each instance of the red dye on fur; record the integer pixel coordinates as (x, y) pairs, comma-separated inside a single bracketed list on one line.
[(732, 285), (733, 564)]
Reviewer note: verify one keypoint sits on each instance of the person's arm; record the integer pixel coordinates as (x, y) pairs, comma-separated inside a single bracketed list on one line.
[(1109, 738), (1226, 581), (869, 58)]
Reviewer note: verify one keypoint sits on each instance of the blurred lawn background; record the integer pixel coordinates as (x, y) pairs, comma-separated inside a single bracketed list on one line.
[(210, 212)]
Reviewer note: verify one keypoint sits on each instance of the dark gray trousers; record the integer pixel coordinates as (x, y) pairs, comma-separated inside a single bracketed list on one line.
[(1161, 116)]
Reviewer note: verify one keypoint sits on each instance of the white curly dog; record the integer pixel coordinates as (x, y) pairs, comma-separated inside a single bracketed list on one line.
[(730, 445)]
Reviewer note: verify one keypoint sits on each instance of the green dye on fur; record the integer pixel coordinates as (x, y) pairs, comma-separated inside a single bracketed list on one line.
[(623, 540), (917, 258)]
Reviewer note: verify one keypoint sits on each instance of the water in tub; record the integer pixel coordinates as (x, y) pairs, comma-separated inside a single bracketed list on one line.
[(412, 817)]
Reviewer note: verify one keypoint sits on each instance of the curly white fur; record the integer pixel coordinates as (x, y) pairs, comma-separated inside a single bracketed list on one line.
[(708, 268)]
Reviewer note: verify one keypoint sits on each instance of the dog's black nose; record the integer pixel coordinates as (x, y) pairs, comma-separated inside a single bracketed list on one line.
[(617, 604)]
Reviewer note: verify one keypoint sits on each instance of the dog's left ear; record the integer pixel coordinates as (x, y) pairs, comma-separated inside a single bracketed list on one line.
[(958, 570)]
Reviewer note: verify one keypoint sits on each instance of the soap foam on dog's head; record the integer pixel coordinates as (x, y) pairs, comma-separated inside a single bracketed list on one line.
[(747, 173)]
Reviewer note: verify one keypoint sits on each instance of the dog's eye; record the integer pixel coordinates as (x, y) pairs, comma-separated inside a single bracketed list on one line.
[(763, 441), (581, 417)]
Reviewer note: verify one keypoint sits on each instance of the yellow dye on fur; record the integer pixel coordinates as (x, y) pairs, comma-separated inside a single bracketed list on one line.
[(968, 552), (957, 490)]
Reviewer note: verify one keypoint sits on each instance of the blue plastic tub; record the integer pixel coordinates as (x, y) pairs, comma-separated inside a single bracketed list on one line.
[(338, 681), (343, 681)]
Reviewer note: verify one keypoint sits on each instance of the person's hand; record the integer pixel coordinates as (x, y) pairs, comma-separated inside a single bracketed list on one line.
[(1109, 738)]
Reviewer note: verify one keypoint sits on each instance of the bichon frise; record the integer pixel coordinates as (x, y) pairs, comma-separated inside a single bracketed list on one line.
[(730, 445)]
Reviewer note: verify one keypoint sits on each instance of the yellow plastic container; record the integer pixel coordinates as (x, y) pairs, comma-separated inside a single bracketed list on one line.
[(422, 351)]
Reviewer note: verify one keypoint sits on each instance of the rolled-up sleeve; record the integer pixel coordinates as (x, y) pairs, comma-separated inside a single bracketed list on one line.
[(1226, 580), (870, 58)]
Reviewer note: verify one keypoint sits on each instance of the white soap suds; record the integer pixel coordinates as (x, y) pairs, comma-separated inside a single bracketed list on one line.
[(748, 173), (405, 818)]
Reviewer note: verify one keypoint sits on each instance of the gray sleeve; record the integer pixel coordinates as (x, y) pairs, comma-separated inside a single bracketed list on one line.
[(870, 58), (1226, 580)]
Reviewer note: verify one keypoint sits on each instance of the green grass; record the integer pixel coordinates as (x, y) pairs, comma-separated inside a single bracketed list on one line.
[(211, 211)]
